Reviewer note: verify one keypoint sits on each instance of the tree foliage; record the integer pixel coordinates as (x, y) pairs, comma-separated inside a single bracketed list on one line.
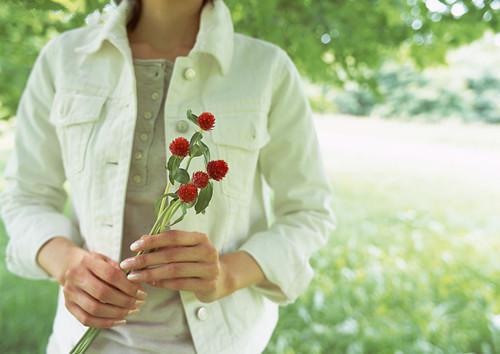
[(331, 41)]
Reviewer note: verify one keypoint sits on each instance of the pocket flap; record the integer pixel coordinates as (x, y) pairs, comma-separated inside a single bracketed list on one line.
[(76, 108), (242, 130)]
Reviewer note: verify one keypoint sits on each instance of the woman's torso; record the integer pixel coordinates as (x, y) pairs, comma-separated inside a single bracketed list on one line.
[(94, 114), (161, 325)]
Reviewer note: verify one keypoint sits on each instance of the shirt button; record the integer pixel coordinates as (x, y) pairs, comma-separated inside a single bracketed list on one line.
[(202, 313), (148, 115), (144, 136), (189, 74), (137, 179), (182, 126), (155, 96), (138, 155)]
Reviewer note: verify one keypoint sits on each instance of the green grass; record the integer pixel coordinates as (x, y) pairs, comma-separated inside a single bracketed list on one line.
[(412, 268), (27, 308)]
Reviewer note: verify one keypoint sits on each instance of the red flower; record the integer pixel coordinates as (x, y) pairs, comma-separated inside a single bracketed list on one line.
[(217, 169), (187, 192), (179, 146), (200, 179), (206, 121)]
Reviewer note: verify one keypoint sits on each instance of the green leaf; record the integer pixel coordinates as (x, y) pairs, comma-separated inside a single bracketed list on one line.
[(204, 198), (192, 117), (194, 139), (173, 163), (206, 152), (184, 211), (181, 176), (170, 162), (172, 166), (196, 151)]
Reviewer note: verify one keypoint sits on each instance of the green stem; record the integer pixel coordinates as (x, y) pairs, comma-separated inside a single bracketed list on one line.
[(174, 206), (158, 220), (167, 188), (85, 341), (189, 161), (163, 218), (92, 332)]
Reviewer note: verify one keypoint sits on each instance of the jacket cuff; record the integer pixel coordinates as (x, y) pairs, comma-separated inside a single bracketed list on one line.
[(22, 250), (279, 266)]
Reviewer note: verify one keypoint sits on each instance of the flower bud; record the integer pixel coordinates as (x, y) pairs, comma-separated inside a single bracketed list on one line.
[(187, 192), (217, 169)]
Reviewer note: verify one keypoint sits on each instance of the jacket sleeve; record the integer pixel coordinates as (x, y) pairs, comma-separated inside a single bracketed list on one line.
[(33, 199), (291, 164)]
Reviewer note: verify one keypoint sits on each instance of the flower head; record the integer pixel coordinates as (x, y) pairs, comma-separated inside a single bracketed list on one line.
[(217, 169), (206, 121), (179, 147), (187, 192), (200, 179)]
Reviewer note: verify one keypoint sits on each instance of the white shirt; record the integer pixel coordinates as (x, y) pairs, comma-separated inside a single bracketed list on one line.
[(74, 134)]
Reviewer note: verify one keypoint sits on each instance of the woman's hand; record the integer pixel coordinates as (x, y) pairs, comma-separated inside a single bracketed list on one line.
[(97, 292), (183, 261)]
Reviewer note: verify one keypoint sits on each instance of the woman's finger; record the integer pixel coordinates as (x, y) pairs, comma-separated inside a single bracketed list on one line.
[(175, 270), (115, 277), (196, 253), (103, 292), (190, 284), (170, 238), (97, 308), (117, 266), (88, 320)]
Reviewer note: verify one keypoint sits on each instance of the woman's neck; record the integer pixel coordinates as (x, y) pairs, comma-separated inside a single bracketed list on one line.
[(166, 28)]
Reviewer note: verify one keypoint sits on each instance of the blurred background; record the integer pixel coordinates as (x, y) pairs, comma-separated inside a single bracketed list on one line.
[(406, 95)]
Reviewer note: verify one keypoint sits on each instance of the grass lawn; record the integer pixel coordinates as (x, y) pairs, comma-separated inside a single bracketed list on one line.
[(26, 310), (412, 268)]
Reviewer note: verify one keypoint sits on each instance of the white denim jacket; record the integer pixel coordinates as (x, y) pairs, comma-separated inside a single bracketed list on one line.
[(74, 132)]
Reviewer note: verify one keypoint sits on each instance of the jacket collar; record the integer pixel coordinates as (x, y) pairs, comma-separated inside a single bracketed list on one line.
[(215, 35)]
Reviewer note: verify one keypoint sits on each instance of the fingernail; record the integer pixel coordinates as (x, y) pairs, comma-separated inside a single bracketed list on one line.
[(127, 263), (131, 312), (141, 294), (133, 276), (139, 303), (119, 322), (136, 245)]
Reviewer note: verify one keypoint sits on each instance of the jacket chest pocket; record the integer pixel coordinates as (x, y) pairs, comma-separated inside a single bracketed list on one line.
[(75, 117), (238, 137)]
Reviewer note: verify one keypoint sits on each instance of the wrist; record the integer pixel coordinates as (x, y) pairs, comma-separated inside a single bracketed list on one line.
[(241, 270), (230, 282), (73, 256), (55, 256)]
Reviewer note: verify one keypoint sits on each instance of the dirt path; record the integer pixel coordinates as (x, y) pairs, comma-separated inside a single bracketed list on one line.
[(453, 151), (464, 153)]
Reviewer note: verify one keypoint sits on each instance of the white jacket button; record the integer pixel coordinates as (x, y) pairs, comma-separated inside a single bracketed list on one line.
[(182, 126), (202, 313), (189, 74)]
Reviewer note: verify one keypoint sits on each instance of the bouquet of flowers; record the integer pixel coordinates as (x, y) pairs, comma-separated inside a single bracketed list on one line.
[(195, 191)]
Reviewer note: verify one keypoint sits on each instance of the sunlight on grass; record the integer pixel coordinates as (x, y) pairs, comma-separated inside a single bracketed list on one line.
[(412, 268)]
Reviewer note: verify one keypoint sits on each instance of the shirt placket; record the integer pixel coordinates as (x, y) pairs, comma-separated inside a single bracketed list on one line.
[(147, 112)]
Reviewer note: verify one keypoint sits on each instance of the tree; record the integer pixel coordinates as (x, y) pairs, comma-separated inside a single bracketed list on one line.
[(331, 41)]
